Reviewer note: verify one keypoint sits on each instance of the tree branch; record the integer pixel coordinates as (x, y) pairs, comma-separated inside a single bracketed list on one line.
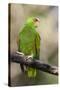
[(21, 59)]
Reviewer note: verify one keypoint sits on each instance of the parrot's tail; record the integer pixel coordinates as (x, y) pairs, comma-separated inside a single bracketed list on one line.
[(31, 72)]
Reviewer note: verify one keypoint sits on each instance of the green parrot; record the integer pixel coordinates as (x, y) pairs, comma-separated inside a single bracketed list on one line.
[(29, 43)]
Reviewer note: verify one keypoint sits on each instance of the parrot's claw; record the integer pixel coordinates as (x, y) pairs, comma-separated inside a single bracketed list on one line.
[(20, 53), (30, 57)]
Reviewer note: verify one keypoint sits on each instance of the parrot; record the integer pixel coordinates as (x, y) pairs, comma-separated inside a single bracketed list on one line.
[(29, 43)]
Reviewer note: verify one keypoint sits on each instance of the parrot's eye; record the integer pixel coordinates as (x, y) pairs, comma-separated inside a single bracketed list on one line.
[(36, 20)]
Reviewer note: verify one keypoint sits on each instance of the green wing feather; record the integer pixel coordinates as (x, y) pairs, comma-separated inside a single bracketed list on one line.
[(32, 72), (37, 45)]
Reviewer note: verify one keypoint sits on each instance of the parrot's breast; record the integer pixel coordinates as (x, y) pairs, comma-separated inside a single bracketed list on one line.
[(27, 40)]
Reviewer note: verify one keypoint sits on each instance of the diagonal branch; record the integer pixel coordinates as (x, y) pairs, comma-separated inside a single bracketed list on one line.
[(21, 59)]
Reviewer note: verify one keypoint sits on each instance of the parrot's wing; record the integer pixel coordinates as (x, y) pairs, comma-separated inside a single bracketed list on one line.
[(37, 45)]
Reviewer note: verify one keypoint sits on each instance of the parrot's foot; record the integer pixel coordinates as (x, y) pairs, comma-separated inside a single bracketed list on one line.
[(20, 53), (30, 57)]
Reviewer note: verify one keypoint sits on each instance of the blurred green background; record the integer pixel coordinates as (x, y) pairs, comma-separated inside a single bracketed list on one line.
[(48, 30)]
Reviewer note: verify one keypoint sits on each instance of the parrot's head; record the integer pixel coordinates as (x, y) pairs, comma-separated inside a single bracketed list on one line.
[(33, 21)]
